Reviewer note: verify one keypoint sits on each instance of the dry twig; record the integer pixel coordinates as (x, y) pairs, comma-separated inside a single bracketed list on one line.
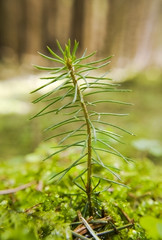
[(19, 188)]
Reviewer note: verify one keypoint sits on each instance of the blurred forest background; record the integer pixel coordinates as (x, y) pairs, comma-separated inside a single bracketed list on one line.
[(131, 30)]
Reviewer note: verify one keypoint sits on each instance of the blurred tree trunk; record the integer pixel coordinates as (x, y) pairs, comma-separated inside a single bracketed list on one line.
[(95, 13), (78, 20), (63, 20), (129, 27), (11, 27), (50, 13), (1, 26), (34, 24)]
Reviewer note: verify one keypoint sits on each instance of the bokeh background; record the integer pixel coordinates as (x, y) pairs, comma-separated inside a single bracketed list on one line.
[(131, 30)]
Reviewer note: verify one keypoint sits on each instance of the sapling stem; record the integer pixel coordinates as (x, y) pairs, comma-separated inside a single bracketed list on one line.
[(89, 147)]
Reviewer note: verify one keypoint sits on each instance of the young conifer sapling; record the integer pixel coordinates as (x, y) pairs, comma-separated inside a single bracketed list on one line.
[(72, 83)]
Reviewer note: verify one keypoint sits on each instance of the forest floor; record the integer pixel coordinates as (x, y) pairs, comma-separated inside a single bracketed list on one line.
[(32, 207)]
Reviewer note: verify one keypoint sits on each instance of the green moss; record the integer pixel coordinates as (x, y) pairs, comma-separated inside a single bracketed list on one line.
[(47, 214)]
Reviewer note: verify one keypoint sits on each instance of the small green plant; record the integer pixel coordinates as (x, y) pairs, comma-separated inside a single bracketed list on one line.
[(72, 83)]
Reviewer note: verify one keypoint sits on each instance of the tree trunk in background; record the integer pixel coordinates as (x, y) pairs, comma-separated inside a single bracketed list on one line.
[(146, 34), (34, 22), (1, 26), (124, 28), (12, 28), (95, 25), (50, 13), (129, 31), (63, 21), (122, 16), (78, 20), (157, 39)]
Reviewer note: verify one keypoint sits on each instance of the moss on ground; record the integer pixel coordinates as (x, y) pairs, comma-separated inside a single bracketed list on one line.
[(44, 210)]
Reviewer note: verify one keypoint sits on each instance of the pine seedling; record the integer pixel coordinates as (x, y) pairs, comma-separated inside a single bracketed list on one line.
[(72, 83)]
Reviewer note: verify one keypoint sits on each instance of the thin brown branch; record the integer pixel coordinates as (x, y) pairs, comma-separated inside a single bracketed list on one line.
[(125, 215), (31, 208), (19, 188), (104, 220)]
